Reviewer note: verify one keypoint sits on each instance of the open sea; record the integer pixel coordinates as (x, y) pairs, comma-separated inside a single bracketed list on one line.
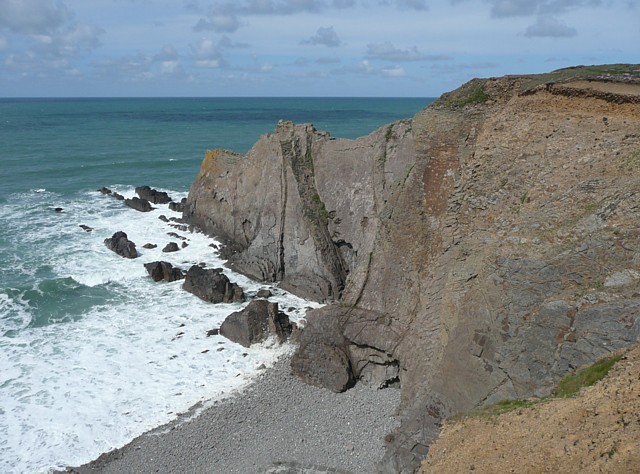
[(92, 352)]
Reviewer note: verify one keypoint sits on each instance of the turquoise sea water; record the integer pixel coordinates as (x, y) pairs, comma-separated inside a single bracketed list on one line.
[(92, 353)]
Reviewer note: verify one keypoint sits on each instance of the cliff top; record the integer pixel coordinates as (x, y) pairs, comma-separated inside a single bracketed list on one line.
[(616, 82)]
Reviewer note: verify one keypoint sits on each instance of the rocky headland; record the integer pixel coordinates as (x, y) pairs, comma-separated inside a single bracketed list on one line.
[(476, 252)]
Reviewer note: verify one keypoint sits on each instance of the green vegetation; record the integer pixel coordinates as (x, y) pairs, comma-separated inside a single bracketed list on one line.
[(569, 386), (610, 71), (471, 93)]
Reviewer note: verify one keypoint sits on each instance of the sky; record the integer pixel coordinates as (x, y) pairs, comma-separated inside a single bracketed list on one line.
[(299, 48)]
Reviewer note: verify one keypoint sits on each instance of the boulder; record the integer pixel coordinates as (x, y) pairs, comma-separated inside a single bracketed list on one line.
[(178, 206), (256, 323), (171, 247), (164, 271), (152, 195), (117, 196), (86, 228), (138, 204), (212, 285), (163, 218), (104, 190), (120, 244), (264, 293), (149, 246)]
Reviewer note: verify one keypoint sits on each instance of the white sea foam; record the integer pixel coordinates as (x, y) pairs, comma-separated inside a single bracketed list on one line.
[(70, 391)]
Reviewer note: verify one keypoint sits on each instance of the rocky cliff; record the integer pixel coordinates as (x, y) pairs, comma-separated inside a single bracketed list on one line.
[(476, 252)]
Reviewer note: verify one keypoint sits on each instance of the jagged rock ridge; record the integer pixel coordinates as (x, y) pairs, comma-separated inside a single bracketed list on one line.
[(468, 247)]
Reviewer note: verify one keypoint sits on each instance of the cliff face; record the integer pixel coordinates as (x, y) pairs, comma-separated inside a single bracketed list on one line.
[(476, 252)]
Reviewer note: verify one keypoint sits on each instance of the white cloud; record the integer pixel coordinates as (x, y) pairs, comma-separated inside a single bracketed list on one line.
[(388, 52), (207, 54), (32, 16), (325, 36), (395, 71), (550, 26)]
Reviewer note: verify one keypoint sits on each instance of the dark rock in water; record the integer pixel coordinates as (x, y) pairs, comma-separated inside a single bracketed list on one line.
[(178, 206), (58, 209), (264, 293), (177, 236), (138, 204), (104, 190), (164, 271), (121, 245), (117, 196), (171, 247), (213, 332), (86, 228), (184, 244), (212, 285), (255, 323), (149, 246), (163, 218), (152, 195)]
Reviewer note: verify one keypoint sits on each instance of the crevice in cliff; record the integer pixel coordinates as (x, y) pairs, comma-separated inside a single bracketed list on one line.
[(280, 271), (314, 212)]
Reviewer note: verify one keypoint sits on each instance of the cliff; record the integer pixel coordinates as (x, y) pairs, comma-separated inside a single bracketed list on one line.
[(476, 252)]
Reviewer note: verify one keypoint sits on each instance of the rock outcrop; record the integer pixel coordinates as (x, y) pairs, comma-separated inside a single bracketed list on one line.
[(164, 271), (210, 284), (256, 323), (152, 195), (467, 249), (138, 204), (120, 244)]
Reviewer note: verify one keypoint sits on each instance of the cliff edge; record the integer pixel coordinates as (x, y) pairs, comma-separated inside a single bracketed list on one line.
[(476, 252)]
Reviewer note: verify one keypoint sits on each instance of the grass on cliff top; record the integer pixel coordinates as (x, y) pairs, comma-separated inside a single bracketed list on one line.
[(470, 93), (569, 386), (473, 92), (610, 72)]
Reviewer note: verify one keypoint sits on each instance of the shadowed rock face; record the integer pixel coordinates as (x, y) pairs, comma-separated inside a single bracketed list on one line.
[(468, 247)]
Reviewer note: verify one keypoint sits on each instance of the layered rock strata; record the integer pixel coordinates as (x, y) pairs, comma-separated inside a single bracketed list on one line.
[(466, 250)]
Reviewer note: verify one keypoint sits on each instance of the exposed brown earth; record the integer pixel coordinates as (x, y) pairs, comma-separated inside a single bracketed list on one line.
[(595, 432)]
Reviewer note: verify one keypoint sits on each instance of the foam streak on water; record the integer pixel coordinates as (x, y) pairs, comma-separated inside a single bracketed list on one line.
[(92, 351)]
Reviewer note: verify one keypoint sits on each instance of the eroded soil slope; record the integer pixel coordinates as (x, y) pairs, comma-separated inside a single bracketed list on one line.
[(598, 431)]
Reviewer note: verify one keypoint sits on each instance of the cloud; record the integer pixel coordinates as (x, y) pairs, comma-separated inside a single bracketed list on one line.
[(225, 42), (142, 67), (344, 3), (364, 67), (388, 52), (406, 4), (45, 37), (220, 22), (32, 16), (514, 8), (68, 43), (395, 71), (226, 16), (207, 55), (412, 4), (551, 27), (324, 36), (328, 61)]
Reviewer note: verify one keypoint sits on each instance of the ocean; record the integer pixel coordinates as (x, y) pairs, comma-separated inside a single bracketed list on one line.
[(92, 352)]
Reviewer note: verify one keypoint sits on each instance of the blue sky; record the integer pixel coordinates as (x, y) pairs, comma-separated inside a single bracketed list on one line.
[(416, 48)]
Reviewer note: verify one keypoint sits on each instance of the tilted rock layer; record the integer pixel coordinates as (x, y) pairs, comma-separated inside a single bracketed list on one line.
[(476, 252)]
